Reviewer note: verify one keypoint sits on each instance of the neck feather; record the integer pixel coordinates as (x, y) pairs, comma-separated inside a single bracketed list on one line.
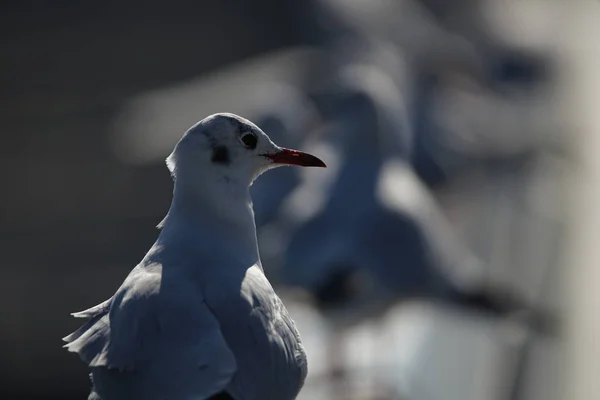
[(211, 216)]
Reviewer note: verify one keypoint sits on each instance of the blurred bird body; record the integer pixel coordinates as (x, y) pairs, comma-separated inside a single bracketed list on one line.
[(197, 317), (382, 236)]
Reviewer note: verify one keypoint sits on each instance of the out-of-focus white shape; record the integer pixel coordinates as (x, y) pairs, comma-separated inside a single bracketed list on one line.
[(386, 92), (151, 123), (460, 358), (404, 22), (523, 23), (386, 89), (310, 197), (481, 123), (395, 345), (422, 351), (400, 190), (580, 92), (491, 123)]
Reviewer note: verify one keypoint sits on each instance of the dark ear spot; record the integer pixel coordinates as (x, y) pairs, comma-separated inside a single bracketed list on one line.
[(220, 155)]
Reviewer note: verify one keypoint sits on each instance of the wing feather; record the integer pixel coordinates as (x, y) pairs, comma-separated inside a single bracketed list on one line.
[(156, 338)]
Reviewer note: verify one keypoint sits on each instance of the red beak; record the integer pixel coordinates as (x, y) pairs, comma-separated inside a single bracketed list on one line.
[(295, 157)]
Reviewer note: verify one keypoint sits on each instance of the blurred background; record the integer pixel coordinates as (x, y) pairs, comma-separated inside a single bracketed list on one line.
[(427, 262)]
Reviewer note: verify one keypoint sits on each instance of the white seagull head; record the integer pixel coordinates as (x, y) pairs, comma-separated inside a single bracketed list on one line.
[(231, 148)]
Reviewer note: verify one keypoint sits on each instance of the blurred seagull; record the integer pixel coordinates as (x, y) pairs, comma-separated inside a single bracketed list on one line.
[(362, 228), (197, 318), (380, 237)]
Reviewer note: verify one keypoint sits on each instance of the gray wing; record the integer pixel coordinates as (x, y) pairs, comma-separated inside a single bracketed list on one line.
[(155, 339), (259, 330)]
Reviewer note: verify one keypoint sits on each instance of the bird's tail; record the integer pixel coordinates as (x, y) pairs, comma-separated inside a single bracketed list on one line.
[(94, 396)]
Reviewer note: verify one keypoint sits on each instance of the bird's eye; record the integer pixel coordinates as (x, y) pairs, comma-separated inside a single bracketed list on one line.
[(249, 140)]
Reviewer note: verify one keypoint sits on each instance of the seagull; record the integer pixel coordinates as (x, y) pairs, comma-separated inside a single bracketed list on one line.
[(197, 318)]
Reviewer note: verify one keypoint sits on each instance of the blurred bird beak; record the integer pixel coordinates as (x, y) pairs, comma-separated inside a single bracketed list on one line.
[(295, 157)]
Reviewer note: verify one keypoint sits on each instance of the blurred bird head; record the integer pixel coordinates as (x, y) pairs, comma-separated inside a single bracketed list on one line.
[(230, 149)]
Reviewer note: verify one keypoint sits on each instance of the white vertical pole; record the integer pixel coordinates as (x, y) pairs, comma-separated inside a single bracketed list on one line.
[(580, 92)]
